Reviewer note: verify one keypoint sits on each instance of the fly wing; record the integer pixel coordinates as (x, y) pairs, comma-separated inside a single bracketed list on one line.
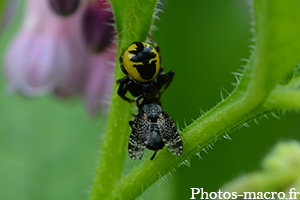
[(139, 136), (169, 134)]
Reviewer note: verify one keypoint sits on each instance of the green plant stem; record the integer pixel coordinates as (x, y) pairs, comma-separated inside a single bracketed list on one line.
[(274, 56), (230, 113), (283, 97), (226, 116), (276, 52), (112, 158), (133, 21), (276, 49)]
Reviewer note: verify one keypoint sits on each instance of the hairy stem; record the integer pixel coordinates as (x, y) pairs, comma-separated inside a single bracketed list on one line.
[(283, 97), (133, 21), (199, 135), (274, 56)]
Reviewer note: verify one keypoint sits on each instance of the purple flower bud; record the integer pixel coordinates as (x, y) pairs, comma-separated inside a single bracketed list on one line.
[(64, 7), (98, 25), (47, 53)]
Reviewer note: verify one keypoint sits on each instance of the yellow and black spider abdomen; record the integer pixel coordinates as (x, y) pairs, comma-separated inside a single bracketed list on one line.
[(141, 61)]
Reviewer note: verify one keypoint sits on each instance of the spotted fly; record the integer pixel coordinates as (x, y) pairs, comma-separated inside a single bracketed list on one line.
[(153, 128)]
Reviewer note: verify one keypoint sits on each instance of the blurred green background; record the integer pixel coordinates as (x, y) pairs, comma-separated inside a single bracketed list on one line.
[(49, 148)]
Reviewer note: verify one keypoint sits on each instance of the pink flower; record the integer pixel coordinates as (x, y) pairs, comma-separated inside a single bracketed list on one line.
[(64, 7), (102, 70), (98, 17), (46, 52), (98, 32), (50, 53)]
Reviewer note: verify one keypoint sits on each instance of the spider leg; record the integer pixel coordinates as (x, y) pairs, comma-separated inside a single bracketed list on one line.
[(123, 88), (164, 79), (126, 84), (152, 157)]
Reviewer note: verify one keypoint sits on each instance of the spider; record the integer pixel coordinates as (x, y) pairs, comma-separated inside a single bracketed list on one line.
[(144, 78)]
